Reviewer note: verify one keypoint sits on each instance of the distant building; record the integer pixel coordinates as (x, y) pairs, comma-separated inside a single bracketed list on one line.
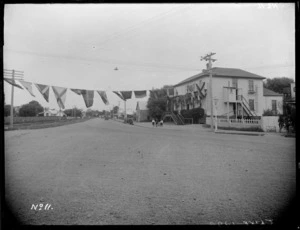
[(273, 101), (52, 112), (142, 112)]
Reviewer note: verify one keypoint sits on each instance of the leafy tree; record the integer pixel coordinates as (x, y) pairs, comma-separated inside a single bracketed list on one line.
[(157, 102), (31, 109), (73, 112), (7, 110), (116, 109), (278, 84), (269, 112), (92, 113)]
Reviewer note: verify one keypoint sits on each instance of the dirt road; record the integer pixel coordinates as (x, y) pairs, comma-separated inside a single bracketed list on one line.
[(105, 172)]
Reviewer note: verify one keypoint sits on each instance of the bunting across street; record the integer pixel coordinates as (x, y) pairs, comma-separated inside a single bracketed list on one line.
[(126, 94), (170, 92), (153, 93), (88, 96), (202, 94), (44, 90), (140, 93), (12, 82), (28, 86), (117, 93), (60, 95), (103, 97)]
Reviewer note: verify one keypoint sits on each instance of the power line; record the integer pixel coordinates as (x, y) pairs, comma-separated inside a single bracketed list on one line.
[(110, 61), (138, 26)]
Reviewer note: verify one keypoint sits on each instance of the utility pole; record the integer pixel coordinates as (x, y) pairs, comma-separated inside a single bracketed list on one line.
[(13, 75), (125, 115), (208, 58)]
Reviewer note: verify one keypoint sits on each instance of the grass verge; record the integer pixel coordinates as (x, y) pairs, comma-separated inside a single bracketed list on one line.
[(44, 124)]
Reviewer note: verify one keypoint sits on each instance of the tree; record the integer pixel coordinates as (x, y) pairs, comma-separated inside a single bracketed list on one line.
[(278, 84), (116, 109), (73, 112), (31, 109), (157, 102), (7, 110), (92, 113)]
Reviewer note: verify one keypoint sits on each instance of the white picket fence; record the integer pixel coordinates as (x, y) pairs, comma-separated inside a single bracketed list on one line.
[(240, 121)]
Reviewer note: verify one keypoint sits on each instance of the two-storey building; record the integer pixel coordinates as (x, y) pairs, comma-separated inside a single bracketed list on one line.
[(236, 93)]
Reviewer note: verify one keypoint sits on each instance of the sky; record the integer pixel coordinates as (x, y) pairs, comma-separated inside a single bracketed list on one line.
[(152, 45)]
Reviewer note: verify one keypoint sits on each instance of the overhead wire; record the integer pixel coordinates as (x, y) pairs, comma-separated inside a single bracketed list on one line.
[(135, 27), (109, 61)]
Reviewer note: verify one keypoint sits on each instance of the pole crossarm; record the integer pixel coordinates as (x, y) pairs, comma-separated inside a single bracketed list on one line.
[(208, 58)]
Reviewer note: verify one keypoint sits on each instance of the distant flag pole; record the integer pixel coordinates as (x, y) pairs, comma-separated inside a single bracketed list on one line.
[(18, 74)]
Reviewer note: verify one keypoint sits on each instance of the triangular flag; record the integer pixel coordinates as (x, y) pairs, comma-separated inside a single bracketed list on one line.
[(126, 94), (117, 93), (44, 90), (140, 93), (170, 92), (103, 97), (12, 82), (88, 96), (28, 86), (77, 91), (154, 94), (200, 90), (60, 95)]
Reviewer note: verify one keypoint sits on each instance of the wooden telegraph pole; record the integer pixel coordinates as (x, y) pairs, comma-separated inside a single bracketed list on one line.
[(12, 75), (209, 59)]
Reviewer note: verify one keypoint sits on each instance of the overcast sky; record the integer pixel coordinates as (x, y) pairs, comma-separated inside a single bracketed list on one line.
[(79, 45)]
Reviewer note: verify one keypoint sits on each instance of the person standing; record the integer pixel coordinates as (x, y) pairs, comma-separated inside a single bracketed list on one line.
[(161, 122), (153, 121)]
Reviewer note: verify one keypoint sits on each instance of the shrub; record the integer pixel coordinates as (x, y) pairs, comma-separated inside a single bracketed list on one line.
[(251, 129), (269, 112), (197, 114)]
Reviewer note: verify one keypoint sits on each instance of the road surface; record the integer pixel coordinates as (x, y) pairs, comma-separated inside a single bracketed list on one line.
[(106, 172)]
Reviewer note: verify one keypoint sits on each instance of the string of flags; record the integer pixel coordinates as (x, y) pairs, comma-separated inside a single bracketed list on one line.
[(60, 93)]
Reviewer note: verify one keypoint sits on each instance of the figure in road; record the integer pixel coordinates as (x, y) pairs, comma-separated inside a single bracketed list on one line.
[(161, 122), (153, 121)]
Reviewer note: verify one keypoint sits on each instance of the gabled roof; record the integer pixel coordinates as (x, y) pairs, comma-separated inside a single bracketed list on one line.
[(142, 105), (268, 92), (223, 72)]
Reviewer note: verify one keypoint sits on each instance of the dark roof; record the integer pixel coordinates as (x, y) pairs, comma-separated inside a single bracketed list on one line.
[(223, 72), (268, 92)]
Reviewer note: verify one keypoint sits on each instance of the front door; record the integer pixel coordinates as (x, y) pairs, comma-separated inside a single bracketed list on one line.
[(234, 108)]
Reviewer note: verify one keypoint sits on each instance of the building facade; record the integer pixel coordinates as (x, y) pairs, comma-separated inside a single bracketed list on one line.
[(142, 112), (236, 93), (273, 101)]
